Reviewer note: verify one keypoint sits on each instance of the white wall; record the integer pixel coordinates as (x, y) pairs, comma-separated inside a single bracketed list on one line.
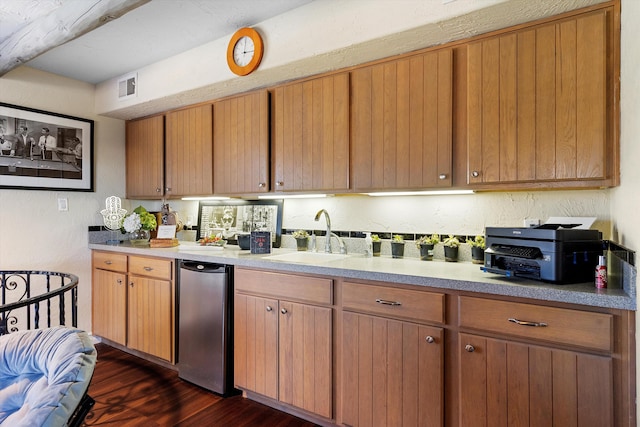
[(34, 235)]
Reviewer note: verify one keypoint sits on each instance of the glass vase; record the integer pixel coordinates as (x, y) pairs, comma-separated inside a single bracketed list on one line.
[(140, 237)]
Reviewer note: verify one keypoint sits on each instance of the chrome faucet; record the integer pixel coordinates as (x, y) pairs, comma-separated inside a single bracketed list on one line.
[(327, 242)]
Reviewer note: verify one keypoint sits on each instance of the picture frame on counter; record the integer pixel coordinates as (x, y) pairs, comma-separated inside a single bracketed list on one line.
[(43, 150), (228, 218)]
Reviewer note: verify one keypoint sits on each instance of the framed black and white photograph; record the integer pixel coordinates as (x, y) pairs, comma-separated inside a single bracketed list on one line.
[(41, 150), (227, 218)]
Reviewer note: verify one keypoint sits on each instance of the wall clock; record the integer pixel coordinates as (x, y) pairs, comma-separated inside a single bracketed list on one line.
[(244, 52)]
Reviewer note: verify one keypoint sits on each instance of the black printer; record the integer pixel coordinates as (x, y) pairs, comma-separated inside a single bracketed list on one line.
[(550, 253)]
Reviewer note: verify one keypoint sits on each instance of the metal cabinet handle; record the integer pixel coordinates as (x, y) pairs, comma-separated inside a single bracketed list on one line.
[(475, 174), (269, 308), (387, 302), (279, 183), (167, 189), (469, 348), (131, 284), (283, 311), (108, 262), (262, 185), (527, 323), (119, 281), (430, 339), (442, 176), (158, 190), (148, 268)]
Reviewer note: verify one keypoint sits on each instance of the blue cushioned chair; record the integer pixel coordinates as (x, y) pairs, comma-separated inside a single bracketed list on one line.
[(44, 377)]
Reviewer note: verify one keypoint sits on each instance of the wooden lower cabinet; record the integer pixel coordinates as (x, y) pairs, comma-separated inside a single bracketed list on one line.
[(133, 302), (392, 372), (512, 384), (283, 349)]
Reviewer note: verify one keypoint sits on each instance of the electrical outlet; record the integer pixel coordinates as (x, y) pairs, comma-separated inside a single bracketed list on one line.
[(531, 222), (63, 205)]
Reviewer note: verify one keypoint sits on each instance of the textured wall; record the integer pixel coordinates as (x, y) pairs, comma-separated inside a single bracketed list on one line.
[(33, 233)]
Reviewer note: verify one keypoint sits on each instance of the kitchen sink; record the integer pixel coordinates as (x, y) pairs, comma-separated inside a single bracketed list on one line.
[(307, 257)]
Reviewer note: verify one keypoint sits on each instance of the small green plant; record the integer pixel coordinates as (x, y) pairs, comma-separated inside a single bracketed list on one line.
[(428, 240), (477, 242), (300, 234), (375, 238), (397, 239), (451, 241)]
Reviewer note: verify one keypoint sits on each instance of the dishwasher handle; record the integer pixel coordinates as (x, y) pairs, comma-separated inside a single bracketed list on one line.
[(203, 267)]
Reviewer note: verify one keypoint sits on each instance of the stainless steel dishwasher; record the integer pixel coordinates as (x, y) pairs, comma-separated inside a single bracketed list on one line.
[(204, 326)]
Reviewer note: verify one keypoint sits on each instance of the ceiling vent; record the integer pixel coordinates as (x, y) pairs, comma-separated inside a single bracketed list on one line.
[(128, 86)]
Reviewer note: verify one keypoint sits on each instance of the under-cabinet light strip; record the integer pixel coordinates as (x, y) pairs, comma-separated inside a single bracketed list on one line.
[(421, 193)]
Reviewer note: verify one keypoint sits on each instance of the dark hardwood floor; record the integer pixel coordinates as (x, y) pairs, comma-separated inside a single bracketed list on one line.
[(130, 391)]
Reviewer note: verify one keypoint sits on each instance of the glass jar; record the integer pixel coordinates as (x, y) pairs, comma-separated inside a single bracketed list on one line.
[(140, 237)]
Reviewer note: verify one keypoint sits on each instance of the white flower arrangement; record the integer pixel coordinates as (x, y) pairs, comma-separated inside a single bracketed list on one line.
[(132, 223)]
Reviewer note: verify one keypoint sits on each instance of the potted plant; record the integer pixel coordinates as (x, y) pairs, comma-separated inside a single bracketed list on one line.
[(397, 246), (451, 245), (139, 224), (377, 243), (425, 244), (302, 239), (477, 249)]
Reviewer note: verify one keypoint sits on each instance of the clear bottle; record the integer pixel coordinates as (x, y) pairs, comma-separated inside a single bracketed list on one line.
[(368, 250), (601, 273)]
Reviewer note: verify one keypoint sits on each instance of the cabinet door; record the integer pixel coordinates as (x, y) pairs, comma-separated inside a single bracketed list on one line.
[(109, 302), (241, 144), (189, 152), (145, 158), (255, 336), (402, 123), (151, 321), (311, 135), (509, 384), (537, 103), (305, 359), (392, 372)]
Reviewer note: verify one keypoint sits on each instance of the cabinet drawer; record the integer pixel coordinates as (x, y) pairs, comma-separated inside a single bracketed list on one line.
[(556, 325), (284, 286), (393, 302), (151, 267), (110, 261)]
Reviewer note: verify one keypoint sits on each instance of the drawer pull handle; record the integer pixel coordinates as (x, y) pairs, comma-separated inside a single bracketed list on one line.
[(269, 308), (283, 311), (119, 281), (527, 323), (108, 262), (387, 302), (430, 339), (469, 348), (148, 268)]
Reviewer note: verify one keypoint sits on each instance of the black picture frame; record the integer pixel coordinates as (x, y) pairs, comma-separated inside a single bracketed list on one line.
[(256, 215), (61, 159)]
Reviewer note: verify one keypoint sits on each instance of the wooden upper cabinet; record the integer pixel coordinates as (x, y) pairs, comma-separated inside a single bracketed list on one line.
[(538, 104), (189, 152), (401, 132), (241, 144), (145, 158), (311, 135)]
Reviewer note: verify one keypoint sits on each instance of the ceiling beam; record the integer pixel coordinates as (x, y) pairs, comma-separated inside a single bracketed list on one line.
[(68, 22)]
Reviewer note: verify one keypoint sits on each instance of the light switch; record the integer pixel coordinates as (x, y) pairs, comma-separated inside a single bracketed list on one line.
[(63, 205)]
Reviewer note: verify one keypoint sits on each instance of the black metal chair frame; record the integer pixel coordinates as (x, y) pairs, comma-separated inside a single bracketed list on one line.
[(12, 282)]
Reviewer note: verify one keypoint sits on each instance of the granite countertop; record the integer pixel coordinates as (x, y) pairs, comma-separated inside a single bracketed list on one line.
[(462, 276)]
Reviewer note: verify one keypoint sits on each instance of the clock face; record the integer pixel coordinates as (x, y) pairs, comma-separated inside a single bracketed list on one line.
[(244, 52)]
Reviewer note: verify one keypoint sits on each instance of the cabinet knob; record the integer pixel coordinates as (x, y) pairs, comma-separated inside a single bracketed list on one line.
[(430, 339), (167, 189), (475, 174), (119, 281), (262, 184), (442, 176), (158, 190), (269, 308), (283, 311), (131, 284), (469, 348), (279, 183)]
